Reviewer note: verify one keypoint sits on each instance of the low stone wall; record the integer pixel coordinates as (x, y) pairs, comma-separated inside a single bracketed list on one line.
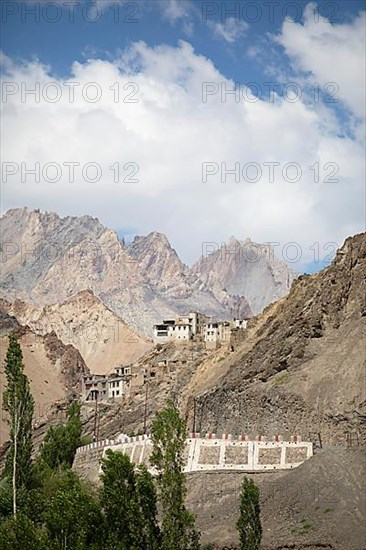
[(212, 454)]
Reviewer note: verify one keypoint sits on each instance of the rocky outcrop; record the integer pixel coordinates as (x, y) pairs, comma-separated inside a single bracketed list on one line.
[(246, 268), (159, 262), (301, 366), (54, 370), (47, 259), (101, 337)]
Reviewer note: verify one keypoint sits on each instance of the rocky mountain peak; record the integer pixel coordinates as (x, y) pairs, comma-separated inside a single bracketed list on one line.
[(52, 258), (159, 261), (246, 268)]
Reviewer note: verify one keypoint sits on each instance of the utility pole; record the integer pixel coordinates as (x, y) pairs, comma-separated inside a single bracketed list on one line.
[(194, 415), (96, 419), (145, 412)]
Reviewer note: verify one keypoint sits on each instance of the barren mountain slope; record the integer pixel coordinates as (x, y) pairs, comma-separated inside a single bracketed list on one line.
[(298, 369), (53, 369), (47, 259), (319, 505), (247, 269), (178, 284), (302, 369), (102, 338)]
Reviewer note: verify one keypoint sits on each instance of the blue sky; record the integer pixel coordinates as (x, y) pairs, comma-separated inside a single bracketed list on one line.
[(29, 31), (168, 48)]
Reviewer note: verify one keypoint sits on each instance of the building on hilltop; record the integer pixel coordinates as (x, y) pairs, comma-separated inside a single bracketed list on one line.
[(95, 387), (217, 332), (196, 326), (118, 384), (181, 329)]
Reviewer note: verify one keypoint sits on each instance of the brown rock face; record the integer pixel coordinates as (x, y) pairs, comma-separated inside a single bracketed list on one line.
[(47, 259), (301, 366), (83, 321), (54, 369)]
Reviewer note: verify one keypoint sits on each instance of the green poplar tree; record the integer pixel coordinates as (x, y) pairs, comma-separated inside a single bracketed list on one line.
[(120, 503), (60, 444), (249, 523), (73, 517), (169, 438), (18, 533), (148, 505), (19, 404)]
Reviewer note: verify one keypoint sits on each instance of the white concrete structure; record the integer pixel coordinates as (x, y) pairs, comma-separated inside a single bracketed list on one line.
[(117, 387), (240, 323), (212, 454), (172, 333), (211, 333), (123, 371), (117, 384), (181, 329)]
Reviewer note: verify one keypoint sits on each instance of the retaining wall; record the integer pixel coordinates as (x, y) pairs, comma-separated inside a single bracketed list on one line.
[(212, 454)]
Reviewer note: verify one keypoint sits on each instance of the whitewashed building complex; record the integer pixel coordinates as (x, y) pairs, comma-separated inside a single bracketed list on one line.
[(115, 385), (181, 329), (196, 326)]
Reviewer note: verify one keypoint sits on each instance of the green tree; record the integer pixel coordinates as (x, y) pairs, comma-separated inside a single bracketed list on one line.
[(249, 523), (19, 404), (60, 444), (169, 437), (120, 502), (148, 505), (73, 517), (19, 533)]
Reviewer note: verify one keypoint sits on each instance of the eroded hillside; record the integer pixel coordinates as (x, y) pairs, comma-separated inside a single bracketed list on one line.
[(53, 368), (102, 338), (301, 367)]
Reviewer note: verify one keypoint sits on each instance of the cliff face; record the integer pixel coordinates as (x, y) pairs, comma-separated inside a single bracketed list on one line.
[(47, 259), (300, 367), (247, 269), (54, 369), (102, 338)]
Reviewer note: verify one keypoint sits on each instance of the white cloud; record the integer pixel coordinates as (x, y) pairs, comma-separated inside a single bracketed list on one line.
[(230, 30), (169, 133), (330, 54), (174, 10)]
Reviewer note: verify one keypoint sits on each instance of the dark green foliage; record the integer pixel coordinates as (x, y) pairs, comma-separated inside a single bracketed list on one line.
[(148, 506), (19, 404), (73, 518), (120, 502), (19, 533), (60, 444), (6, 497), (128, 499), (249, 523), (168, 437)]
